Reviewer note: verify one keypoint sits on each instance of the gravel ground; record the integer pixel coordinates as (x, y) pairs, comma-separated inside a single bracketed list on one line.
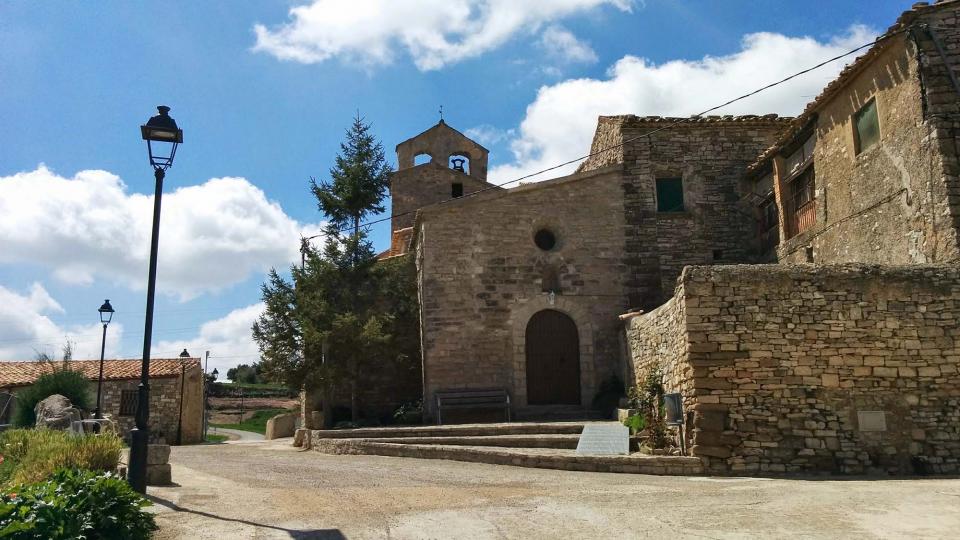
[(271, 490)]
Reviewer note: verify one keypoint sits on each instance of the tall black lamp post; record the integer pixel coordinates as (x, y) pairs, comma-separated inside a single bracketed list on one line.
[(184, 356), (162, 136), (106, 314)]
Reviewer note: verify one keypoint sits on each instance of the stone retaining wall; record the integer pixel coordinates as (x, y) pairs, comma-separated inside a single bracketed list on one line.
[(841, 369), (536, 458)]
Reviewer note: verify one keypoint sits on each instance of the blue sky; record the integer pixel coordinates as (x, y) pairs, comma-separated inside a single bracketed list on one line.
[(264, 94)]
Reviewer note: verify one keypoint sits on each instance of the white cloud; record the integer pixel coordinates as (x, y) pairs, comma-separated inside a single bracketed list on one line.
[(562, 44), (212, 235), (433, 32), (27, 329), (228, 339), (560, 123), (488, 135)]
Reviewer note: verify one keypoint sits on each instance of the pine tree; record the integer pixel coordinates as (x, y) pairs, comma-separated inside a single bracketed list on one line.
[(340, 304)]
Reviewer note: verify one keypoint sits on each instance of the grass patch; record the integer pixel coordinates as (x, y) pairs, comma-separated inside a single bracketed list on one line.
[(33, 455), (256, 423), (211, 438)]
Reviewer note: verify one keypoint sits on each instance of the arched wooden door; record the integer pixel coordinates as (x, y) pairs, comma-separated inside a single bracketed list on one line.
[(553, 359)]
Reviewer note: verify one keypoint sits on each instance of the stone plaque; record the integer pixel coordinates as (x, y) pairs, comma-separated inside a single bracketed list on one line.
[(610, 438), (872, 420)]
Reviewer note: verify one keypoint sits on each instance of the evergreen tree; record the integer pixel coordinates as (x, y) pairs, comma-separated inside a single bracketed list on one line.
[(341, 304), (277, 331), (358, 181)]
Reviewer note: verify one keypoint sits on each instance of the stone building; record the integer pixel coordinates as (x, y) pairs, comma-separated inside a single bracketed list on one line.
[(848, 364), (176, 392), (869, 171), (520, 288)]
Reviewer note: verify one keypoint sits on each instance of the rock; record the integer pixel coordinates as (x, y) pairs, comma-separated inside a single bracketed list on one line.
[(158, 454), (159, 475), (281, 425), (56, 412)]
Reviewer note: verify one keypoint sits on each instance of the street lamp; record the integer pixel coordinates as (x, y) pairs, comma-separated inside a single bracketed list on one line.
[(106, 314), (183, 380), (162, 136)]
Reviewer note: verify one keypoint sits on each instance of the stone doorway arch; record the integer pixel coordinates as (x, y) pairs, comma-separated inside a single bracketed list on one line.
[(552, 350)]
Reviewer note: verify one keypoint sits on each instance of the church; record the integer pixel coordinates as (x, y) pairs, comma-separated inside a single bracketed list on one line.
[(521, 288)]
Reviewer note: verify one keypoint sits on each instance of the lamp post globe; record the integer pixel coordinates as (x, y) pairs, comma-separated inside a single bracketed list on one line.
[(106, 315), (163, 136)]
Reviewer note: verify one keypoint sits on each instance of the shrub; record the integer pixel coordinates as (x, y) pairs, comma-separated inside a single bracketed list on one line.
[(75, 504), (70, 384), (636, 423), (32, 455)]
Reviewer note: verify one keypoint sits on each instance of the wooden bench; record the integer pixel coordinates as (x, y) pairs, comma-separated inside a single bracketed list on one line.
[(487, 398)]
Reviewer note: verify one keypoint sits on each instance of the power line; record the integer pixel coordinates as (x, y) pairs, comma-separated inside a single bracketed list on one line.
[(627, 141)]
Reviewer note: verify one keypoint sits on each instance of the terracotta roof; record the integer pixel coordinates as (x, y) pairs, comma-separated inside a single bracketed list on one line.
[(859, 64), (399, 241), (25, 373), (710, 119)]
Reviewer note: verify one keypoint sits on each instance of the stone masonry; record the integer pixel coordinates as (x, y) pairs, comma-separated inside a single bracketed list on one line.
[(481, 278), (840, 369), (897, 202), (709, 155)]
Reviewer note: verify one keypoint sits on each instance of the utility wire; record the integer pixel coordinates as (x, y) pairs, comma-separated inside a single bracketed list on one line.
[(884, 37)]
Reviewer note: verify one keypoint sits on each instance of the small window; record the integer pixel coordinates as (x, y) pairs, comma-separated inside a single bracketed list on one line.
[(669, 195), (718, 254), (545, 239), (456, 190), (128, 402), (866, 127)]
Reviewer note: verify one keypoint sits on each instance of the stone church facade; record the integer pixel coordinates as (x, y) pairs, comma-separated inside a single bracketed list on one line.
[(521, 288)]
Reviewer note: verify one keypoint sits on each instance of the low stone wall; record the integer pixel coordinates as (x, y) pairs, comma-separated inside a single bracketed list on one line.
[(281, 425), (841, 369), (539, 458)]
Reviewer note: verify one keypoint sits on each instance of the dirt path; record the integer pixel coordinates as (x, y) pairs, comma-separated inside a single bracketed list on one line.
[(271, 490)]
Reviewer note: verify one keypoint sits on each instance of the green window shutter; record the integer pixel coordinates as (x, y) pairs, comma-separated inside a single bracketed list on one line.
[(867, 126), (669, 195)]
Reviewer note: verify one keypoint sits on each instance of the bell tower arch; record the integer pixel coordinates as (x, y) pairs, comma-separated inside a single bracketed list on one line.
[(437, 165)]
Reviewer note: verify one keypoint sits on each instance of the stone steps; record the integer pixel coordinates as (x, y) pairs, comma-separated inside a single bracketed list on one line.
[(455, 430), (551, 440), (544, 458)]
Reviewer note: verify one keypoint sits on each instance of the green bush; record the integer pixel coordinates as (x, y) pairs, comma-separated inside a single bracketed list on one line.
[(32, 455), (70, 384), (75, 504), (636, 423)]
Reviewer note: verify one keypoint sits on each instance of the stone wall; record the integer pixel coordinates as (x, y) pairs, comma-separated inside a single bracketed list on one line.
[(659, 339), (942, 96), (840, 369), (481, 279), (429, 183), (710, 155), (890, 204), (164, 407)]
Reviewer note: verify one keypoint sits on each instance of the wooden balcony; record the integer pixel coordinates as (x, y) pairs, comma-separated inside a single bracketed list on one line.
[(803, 217)]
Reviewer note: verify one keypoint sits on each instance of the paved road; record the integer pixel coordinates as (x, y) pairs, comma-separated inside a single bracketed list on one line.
[(236, 435), (270, 490)]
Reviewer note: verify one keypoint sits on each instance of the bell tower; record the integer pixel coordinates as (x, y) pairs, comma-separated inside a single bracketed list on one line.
[(439, 164)]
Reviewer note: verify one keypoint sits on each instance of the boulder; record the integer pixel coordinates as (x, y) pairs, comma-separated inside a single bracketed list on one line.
[(56, 412), (281, 425)]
